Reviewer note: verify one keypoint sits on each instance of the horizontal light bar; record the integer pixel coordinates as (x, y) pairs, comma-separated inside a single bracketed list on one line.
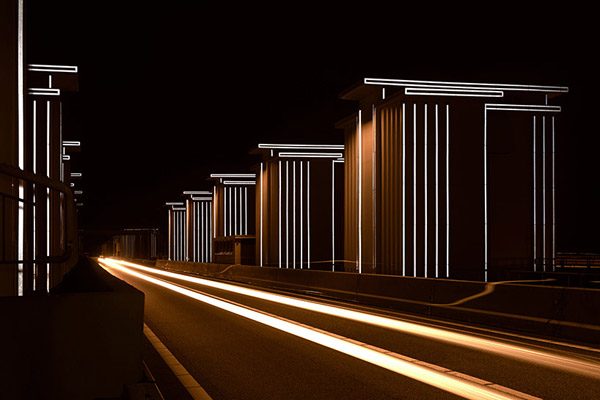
[(464, 85), (402, 365), (233, 175), (66, 157), (44, 92), (523, 107), (340, 160), (522, 353), (239, 182), (53, 68), (78, 192), (179, 209), (79, 204), (307, 154), (174, 203), (76, 174), (301, 146), (453, 93), (196, 192), (71, 143), (201, 198)]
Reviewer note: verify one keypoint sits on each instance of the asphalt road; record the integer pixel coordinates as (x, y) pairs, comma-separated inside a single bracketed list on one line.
[(233, 357)]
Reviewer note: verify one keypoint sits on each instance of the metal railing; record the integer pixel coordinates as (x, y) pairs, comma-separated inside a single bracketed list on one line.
[(19, 221)]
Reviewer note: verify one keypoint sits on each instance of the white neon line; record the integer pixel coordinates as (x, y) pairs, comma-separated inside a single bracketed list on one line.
[(71, 143), (233, 175), (534, 198), (169, 239), (412, 91), (241, 209), (52, 68), (49, 81), (260, 236), (553, 200), (202, 228), (485, 198), (425, 211), (210, 229), (245, 211), (308, 214), (229, 211), (522, 107), (44, 92), (544, 193), (294, 213), (301, 216), (397, 363), (239, 183), (466, 85), (415, 189), (224, 211), (309, 155), (201, 198), (190, 225), (447, 191), (66, 157), (288, 146), (514, 351), (382, 93), (287, 215), (437, 193), (279, 210), (359, 259), (332, 216), (403, 189), (235, 208), (196, 192), (173, 203), (374, 234)]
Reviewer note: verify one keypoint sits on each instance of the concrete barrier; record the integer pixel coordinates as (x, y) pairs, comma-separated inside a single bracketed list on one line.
[(561, 312), (83, 341)]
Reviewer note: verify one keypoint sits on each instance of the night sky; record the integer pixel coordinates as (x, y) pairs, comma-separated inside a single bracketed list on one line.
[(172, 91)]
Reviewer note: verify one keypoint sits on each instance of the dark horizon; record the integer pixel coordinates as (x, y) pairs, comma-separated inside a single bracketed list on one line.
[(171, 94)]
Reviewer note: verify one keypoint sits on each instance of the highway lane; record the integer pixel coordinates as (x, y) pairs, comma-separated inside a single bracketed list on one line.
[(236, 358)]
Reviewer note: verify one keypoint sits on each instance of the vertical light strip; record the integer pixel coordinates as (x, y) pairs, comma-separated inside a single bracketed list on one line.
[(332, 215), (374, 187), (34, 152), (534, 198), (425, 258), (175, 236), (224, 189), (294, 213), (214, 214), (308, 214), (485, 197), (447, 191), (260, 234), (170, 235), (202, 237), (245, 210), (230, 216), (48, 230), (544, 193), (403, 189), (21, 145), (359, 259), (553, 199), (437, 194), (235, 211), (415, 189), (279, 210), (192, 218), (301, 216), (287, 214), (240, 205)]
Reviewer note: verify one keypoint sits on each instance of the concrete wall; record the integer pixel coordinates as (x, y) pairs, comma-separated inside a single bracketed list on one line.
[(83, 342)]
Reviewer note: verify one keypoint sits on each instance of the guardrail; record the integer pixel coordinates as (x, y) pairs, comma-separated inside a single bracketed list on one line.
[(19, 225)]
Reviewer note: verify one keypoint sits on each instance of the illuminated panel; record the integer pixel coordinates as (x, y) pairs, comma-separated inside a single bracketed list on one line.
[(393, 362), (309, 155), (514, 351), (52, 68), (464, 85), (301, 146), (233, 175), (239, 183), (452, 93)]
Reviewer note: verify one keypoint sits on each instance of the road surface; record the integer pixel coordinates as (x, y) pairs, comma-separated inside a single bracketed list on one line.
[(241, 342)]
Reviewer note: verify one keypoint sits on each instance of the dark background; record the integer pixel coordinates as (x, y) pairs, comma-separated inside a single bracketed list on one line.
[(172, 91)]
